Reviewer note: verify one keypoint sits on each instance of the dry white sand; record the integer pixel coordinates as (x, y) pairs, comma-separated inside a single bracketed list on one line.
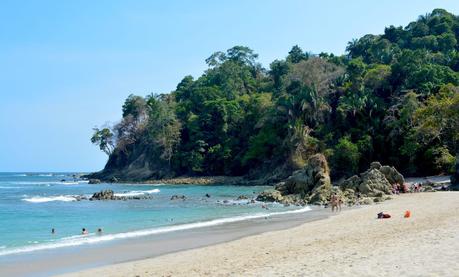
[(352, 243)]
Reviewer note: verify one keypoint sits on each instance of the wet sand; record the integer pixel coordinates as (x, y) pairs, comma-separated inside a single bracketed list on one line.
[(353, 243)]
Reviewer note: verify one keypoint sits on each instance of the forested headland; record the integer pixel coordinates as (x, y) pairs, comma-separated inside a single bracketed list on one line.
[(392, 98)]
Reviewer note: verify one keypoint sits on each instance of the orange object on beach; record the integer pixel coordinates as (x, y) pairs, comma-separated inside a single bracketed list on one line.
[(407, 214)]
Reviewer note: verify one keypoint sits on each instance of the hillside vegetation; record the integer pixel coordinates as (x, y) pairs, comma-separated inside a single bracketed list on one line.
[(392, 97)]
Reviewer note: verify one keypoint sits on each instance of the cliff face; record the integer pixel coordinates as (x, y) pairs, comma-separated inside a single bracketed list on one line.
[(137, 163)]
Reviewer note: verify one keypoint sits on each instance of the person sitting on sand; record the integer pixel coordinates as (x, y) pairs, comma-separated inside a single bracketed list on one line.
[(84, 231), (396, 188), (405, 188), (334, 202)]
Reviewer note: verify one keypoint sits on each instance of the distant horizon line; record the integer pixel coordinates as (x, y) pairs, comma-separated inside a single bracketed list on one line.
[(48, 171)]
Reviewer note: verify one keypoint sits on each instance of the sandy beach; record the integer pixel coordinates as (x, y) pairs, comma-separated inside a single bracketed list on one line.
[(353, 243)]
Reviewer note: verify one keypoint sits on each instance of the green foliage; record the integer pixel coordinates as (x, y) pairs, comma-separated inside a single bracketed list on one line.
[(104, 139), (438, 120), (393, 97), (345, 158), (441, 159)]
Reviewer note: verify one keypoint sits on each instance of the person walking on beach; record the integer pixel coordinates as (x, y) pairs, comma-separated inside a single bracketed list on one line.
[(334, 202), (340, 202), (84, 231)]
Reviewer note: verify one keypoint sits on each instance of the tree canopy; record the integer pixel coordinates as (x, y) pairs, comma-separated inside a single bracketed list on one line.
[(392, 97)]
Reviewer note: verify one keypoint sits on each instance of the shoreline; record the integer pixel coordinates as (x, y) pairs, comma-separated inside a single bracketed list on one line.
[(48, 262), (352, 243), (186, 180), (242, 181), (203, 180)]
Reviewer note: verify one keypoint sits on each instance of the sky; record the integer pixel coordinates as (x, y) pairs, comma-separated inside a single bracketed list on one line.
[(68, 66)]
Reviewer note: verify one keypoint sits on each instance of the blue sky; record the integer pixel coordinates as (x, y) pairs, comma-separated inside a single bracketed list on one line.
[(67, 66)]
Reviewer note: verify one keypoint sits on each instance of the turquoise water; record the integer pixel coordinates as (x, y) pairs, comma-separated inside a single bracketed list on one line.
[(32, 204)]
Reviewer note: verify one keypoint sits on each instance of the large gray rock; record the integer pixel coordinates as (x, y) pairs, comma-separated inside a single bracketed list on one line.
[(107, 194), (351, 183), (311, 184), (392, 175), (270, 196), (178, 197), (374, 183), (375, 165)]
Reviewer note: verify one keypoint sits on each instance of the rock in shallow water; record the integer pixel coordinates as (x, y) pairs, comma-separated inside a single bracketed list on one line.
[(270, 196), (178, 197), (108, 194)]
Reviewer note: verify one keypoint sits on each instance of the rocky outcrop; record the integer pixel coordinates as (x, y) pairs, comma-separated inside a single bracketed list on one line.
[(392, 175), (178, 197), (312, 185), (377, 181), (94, 181), (108, 194), (373, 183), (270, 196), (309, 185), (103, 195)]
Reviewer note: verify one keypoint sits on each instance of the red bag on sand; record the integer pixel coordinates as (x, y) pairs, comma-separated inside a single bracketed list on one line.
[(407, 214)]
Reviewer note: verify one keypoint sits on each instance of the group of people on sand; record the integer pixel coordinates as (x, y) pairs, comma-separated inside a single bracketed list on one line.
[(336, 202), (405, 188), (400, 188), (416, 187), (84, 231)]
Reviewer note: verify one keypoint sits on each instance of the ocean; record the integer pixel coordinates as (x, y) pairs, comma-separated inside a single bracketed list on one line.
[(31, 204)]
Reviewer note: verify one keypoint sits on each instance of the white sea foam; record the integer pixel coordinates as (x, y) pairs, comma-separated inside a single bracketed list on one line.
[(20, 175), (137, 192), (45, 175), (92, 238), (237, 202), (69, 183), (39, 183), (43, 199), (47, 183)]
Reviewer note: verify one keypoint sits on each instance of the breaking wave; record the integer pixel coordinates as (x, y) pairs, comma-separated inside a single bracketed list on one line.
[(92, 238)]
